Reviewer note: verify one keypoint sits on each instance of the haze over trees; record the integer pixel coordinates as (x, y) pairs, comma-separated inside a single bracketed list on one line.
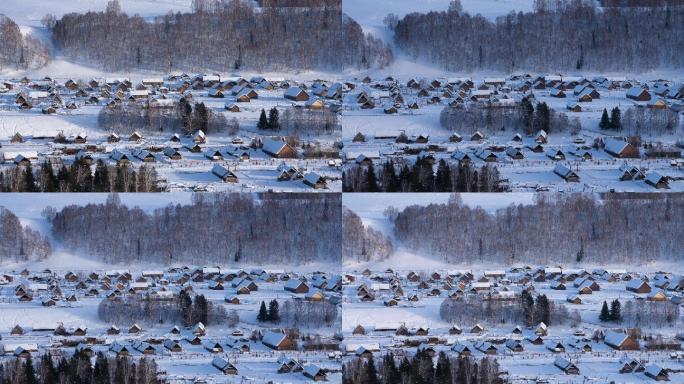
[(557, 36), (18, 243), (225, 229), (467, 119), (186, 118), (222, 35), (624, 228), (362, 243), (19, 51)]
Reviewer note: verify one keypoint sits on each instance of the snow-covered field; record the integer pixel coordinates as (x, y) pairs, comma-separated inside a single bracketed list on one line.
[(254, 361), (417, 309)]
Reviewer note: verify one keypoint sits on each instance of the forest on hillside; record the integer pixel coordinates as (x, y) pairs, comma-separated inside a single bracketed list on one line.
[(18, 51), (622, 228), (19, 243), (556, 36), (221, 35), (362, 243), (226, 229)]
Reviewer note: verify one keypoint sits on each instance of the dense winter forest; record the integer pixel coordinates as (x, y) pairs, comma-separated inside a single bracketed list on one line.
[(466, 119), (362, 243), (219, 35), (524, 310), (186, 118), (78, 368), (18, 243), (421, 177), (281, 229), (421, 368), (18, 51), (308, 314), (622, 228), (308, 122), (79, 177), (558, 35)]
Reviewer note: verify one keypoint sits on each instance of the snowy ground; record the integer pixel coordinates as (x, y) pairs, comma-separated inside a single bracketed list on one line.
[(258, 365), (600, 365)]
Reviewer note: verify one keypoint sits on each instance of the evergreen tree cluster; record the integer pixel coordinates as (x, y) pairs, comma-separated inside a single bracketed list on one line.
[(145, 311), (613, 314), (79, 368), (421, 369), (421, 177), (271, 122), (271, 314), (79, 177), (187, 118), (474, 116), (612, 122)]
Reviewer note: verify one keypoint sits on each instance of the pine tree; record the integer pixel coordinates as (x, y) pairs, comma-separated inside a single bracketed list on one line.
[(605, 120), (63, 179), (263, 121), (29, 180), (263, 313), (443, 370), (543, 309), (48, 372), (443, 178), (371, 371), (273, 119), (615, 119), (101, 370), (47, 177), (201, 118), (371, 179), (605, 313), (185, 304), (543, 117), (201, 310), (580, 253), (273, 312), (615, 311), (101, 179), (29, 371)]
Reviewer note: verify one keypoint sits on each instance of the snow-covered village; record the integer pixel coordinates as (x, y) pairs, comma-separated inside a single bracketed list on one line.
[(554, 306), (241, 317), (342, 191)]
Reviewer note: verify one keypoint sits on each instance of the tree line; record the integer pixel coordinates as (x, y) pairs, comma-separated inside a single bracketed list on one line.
[(650, 122), (223, 35), (469, 118), (19, 51), (79, 177), (308, 314), (421, 176), (557, 35), (275, 228), (360, 242), (421, 368), (624, 228), (525, 309), (185, 118), (144, 310), (19, 243), (78, 368)]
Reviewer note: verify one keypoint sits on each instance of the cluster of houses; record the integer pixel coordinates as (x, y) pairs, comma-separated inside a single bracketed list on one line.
[(392, 288), (73, 288), (165, 92), (393, 96)]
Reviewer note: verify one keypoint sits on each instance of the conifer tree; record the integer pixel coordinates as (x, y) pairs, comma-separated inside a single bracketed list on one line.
[(605, 122), (263, 313), (263, 120), (273, 311), (605, 313)]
